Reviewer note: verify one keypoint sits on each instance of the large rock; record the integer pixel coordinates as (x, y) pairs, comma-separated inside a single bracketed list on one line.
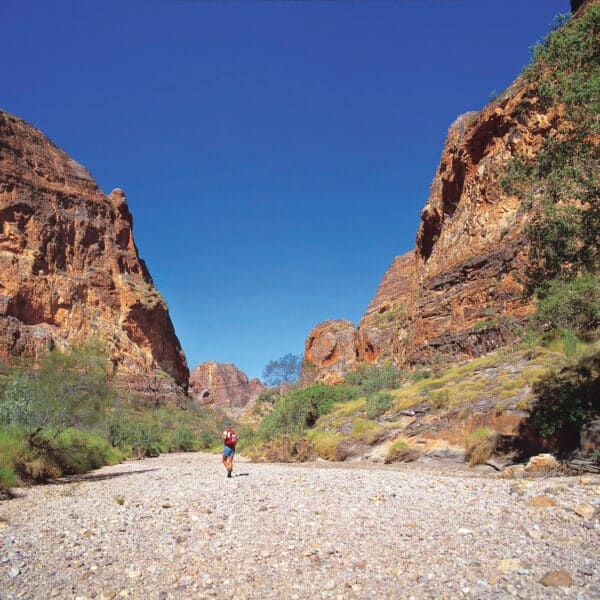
[(329, 351), (223, 386), (70, 268)]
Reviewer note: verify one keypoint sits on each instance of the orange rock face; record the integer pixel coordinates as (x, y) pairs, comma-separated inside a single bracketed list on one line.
[(69, 268), (330, 351), (223, 386), (457, 294)]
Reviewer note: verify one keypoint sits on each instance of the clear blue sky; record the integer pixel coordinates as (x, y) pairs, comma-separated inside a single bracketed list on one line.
[(275, 155)]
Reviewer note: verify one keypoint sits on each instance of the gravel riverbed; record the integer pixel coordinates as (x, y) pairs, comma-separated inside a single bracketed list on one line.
[(176, 527)]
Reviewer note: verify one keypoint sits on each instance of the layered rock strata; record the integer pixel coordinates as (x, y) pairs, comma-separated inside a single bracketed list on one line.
[(457, 294), (69, 269), (223, 386)]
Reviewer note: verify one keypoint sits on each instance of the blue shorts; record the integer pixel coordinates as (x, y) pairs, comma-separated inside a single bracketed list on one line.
[(229, 451)]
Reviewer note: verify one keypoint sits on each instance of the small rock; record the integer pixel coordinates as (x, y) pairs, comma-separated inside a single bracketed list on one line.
[(540, 464), (14, 572), (541, 502), (583, 509), (494, 578), (513, 472), (166, 505), (509, 564), (559, 578)]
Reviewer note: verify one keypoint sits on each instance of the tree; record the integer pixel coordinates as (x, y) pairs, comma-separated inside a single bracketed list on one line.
[(67, 389), (283, 370)]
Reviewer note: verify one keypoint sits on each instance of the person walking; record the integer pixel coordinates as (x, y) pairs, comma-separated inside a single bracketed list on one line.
[(230, 438)]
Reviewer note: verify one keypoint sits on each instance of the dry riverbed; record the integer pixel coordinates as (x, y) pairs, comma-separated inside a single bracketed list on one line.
[(175, 527)]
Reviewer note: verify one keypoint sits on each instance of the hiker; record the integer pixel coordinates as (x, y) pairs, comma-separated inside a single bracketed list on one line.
[(230, 438)]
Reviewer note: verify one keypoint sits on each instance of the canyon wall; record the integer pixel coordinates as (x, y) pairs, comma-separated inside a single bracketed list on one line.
[(223, 386), (457, 294), (69, 269)]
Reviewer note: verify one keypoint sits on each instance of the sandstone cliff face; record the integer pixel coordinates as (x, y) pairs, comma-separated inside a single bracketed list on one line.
[(69, 268), (223, 386), (329, 351), (457, 294)]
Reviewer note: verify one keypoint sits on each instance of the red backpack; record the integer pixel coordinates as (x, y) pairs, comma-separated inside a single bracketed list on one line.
[(231, 437)]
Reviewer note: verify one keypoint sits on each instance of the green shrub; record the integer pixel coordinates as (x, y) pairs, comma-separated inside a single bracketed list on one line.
[(377, 403), (421, 374), (181, 439), (67, 389), (75, 451), (369, 378), (301, 408), (572, 303), (566, 401)]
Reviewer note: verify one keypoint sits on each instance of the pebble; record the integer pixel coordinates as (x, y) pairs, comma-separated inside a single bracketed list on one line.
[(356, 531)]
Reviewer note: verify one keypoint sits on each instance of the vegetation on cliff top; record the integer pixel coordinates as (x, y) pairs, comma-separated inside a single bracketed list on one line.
[(560, 186)]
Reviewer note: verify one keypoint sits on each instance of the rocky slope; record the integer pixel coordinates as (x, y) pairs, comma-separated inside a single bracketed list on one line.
[(223, 386), (457, 294), (70, 268)]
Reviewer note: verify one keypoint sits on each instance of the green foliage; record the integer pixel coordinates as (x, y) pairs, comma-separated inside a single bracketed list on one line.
[(570, 303), (267, 397), (421, 374), (377, 403), (561, 185), (68, 389), (151, 432), (301, 408), (566, 401), (369, 378), (67, 452), (75, 451), (283, 370)]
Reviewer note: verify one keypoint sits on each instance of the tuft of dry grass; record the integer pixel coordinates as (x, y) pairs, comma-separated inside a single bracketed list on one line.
[(480, 445), (400, 451)]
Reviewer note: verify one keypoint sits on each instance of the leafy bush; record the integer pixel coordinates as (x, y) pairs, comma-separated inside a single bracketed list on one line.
[(68, 389), (75, 451), (301, 408), (369, 378), (377, 403), (566, 401), (266, 398), (571, 303), (181, 439)]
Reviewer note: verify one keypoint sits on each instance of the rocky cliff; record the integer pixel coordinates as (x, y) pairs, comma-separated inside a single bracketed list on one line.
[(223, 386), (457, 294), (69, 268)]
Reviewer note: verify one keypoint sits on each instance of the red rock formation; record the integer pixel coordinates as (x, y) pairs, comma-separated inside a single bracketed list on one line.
[(70, 268), (329, 351), (457, 294), (223, 386)]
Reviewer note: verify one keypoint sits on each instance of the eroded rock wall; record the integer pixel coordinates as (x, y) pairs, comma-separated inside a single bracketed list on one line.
[(69, 268), (223, 386), (458, 293)]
